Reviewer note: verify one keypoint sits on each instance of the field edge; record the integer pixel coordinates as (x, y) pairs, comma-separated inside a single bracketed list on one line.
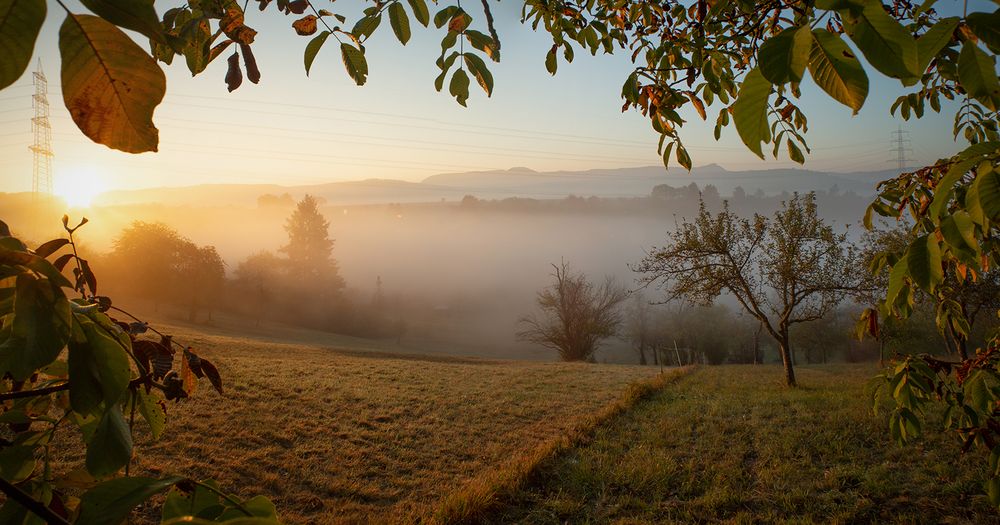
[(472, 501)]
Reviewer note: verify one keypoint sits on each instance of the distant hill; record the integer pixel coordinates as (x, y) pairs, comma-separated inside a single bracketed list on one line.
[(515, 182)]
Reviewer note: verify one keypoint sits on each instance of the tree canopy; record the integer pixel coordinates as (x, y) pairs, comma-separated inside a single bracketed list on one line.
[(788, 269)]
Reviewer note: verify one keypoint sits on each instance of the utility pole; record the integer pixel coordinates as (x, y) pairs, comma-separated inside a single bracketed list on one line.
[(901, 147), (41, 180)]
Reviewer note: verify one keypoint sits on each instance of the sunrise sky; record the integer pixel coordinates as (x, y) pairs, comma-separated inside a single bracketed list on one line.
[(291, 129)]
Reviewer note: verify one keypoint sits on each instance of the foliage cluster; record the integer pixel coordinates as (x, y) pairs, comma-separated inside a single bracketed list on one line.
[(783, 271), (66, 363)]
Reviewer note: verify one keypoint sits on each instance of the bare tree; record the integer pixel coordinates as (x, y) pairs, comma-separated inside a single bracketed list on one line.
[(576, 315), (784, 270)]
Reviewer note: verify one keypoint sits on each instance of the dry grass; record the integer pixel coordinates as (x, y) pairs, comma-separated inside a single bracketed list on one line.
[(730, 444), (344, 437)]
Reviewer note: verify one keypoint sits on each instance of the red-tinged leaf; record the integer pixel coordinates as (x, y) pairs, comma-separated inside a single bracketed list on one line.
[(305, 26), (250, 62), (50, 247), (234, 77), (188, 379), (212, 374)]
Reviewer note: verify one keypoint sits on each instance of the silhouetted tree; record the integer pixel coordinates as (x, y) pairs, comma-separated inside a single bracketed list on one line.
[(576, 315), (310, 249), (259, 275)]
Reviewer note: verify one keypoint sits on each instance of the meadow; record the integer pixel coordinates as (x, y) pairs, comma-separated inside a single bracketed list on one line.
[(731, 444), (346, 436), (341, 434)]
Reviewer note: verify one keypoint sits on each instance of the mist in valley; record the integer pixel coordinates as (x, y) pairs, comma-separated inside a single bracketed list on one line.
[(447, 276)]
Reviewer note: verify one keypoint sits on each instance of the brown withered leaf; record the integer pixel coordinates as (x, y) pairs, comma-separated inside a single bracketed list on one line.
[(231, 21), (459, 23), (243, 35), (305, 26), (217, 49), (234, 77), (263, 4), (212, 373), (194, 363), (250, 62), (298, 6)]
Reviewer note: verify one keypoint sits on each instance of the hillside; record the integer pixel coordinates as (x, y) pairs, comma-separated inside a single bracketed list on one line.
[(499, 184)]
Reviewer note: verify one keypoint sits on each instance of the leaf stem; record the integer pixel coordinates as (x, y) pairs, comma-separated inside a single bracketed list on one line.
[(225, 496), (30, 503)]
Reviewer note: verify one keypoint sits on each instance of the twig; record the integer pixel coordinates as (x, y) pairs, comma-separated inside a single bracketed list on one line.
[(30, 503), (34, 393)]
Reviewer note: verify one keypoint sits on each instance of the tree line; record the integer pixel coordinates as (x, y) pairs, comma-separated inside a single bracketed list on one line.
[(298, 284)]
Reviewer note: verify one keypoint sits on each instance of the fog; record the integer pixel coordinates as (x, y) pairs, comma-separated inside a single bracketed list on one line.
[(461, 272)]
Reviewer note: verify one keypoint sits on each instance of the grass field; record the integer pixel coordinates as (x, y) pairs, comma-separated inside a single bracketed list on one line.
[(345, 437), (731, 444)]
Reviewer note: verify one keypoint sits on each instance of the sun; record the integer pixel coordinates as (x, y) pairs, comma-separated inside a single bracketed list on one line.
[(79, 186)]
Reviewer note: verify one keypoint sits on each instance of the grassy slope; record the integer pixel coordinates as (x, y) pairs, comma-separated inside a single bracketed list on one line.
[(347, 436), (731, 444)]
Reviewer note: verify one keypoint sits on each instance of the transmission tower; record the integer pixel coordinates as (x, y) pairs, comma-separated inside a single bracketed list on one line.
[(41, 180), (901, 146)]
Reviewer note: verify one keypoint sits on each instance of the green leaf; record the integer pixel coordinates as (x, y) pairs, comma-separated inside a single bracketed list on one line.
[(784, 57), (896, 280), (110, 502), (258, 506), (200, 502), (110, 448), (959, 232), (933, 41), (444, 16), (750, 111), (110, 85), (137, 15), (987, 186), (151, 409), (479, 70), (420, 12), (946, 186), (20, 23), (459, 86), (923, 261), (551, 64), (111, 362), (354, 61), (795, 153), (886, 44), (977, 72), (17, 463), (986, 26), (837, 71), (366, 26), (400, 22), (313, 47), (40, 328), (483, 43)]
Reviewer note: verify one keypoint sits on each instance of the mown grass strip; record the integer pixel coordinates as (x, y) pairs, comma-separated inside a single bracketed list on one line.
[(471, 502)]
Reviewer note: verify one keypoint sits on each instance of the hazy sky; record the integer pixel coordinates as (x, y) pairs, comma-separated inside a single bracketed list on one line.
[(291, 129)]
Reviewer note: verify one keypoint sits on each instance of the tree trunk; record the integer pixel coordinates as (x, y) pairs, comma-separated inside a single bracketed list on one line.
[(786, 357), (756, 344), (642, 352)]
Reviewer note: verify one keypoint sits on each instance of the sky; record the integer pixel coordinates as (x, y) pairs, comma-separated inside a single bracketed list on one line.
[(292, 129)]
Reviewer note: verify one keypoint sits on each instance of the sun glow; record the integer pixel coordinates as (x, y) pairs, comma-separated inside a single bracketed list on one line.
[(79, 186)]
